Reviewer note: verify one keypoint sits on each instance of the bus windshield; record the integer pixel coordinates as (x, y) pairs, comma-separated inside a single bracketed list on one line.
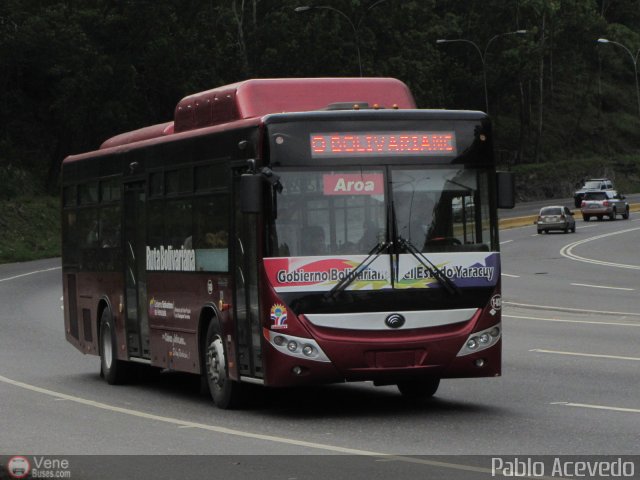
[(323, 212)]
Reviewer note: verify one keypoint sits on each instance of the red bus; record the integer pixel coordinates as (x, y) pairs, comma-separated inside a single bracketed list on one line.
[(284, 232)]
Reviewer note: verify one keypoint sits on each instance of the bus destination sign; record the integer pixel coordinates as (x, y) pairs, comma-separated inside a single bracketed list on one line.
[(365, 144)]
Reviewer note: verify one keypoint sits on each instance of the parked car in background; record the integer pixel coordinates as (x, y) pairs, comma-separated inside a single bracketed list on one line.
[(607, 203), (593, 184), (555, 218)]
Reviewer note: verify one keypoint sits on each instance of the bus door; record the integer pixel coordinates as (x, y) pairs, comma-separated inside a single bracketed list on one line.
[(246, 306), (137, 322)]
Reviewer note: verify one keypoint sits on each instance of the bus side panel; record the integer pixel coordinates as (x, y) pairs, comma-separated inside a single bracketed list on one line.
[(175, 302), (71, 322), (83, 293)]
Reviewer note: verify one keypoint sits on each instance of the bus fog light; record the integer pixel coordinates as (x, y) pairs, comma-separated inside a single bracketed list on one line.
[(279, 340), (292, 346), (308, 350), (297, 370), (480, 362)]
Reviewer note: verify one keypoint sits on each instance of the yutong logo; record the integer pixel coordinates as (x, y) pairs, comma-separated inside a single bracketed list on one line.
[(395, 320)]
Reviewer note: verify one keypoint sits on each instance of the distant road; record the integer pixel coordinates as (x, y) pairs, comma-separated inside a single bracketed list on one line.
[(531, 208)]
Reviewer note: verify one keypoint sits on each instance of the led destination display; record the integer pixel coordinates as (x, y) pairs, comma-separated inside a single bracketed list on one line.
[(325, 145)]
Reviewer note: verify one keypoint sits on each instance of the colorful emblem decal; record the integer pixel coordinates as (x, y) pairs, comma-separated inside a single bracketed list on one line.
[(278, 316)]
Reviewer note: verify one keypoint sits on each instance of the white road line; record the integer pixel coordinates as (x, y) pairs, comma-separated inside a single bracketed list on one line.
[(562, 320), (597, 407), (602, 286), (240, 433), (511, 276), (567, 251), (592, 355), (506, 241), (568, 309), (29, 273)]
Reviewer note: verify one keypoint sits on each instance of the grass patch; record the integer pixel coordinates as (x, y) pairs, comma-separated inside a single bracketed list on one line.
[(29, 228)]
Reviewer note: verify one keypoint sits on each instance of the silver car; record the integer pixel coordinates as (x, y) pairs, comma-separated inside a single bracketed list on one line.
[(606, 203), (555, 218)]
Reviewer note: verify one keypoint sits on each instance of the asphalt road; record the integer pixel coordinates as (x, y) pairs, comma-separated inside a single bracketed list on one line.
[(569, 386)]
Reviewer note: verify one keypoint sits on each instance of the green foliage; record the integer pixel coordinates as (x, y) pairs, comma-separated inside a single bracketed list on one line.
[(75, 73), (561, 179), (29, 228)]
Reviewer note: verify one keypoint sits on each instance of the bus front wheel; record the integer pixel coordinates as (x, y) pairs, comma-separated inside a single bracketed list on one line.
[(419, 389), (224, 391), (114, 371)]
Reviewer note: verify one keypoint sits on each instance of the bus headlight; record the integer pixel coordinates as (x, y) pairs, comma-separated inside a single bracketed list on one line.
[(298, 347), (482, 340)]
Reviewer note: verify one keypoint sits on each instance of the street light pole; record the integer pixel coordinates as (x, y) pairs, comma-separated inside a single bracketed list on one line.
[(354, 27), (634, 60), (483, 57)]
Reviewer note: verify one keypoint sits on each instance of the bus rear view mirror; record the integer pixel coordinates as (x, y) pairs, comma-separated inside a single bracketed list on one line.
[(251, 193), (506, 189)]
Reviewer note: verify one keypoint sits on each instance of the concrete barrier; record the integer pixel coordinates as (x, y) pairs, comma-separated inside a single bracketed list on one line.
[(505, 223)]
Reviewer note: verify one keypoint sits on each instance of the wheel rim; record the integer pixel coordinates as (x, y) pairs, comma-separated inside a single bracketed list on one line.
[(216, 362), (107, 351)]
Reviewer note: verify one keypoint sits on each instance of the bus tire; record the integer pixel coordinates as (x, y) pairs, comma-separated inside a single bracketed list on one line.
[(226, 393), (114, 371), (419, 389)]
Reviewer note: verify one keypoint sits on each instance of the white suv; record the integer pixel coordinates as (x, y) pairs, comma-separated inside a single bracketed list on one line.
[(599, 204)]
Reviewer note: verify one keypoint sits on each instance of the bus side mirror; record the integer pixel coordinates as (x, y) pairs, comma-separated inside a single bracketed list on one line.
[(251, 193), (506, 189)]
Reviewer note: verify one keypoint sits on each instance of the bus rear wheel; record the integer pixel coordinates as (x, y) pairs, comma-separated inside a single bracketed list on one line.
[(419, 389), (114, 371), (226, 393)]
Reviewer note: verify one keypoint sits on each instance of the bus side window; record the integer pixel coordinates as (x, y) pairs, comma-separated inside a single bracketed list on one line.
[(110, 227), (88, 227), (178, 222), (211, 233)]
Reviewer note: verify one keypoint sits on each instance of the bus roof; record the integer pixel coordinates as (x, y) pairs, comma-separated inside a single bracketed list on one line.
[(259, 97)]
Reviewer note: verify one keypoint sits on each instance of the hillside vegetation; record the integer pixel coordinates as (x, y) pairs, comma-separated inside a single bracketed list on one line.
[(29, 228), (564, 105)]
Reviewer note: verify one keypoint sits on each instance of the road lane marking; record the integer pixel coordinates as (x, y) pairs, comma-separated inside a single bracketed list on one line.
[(240, 433), (562, 320), (510, 276), (597, 407), (592, 355), (568, 309), (602, 286), (506, 241), (29, 273), (567, 251)]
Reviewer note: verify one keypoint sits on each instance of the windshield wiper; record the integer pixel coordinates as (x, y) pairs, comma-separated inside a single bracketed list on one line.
[(348, 279), (435, 272)]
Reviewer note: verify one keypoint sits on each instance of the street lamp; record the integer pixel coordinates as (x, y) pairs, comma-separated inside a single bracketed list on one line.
[(483, 56), (356, 28), (634, 59)]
